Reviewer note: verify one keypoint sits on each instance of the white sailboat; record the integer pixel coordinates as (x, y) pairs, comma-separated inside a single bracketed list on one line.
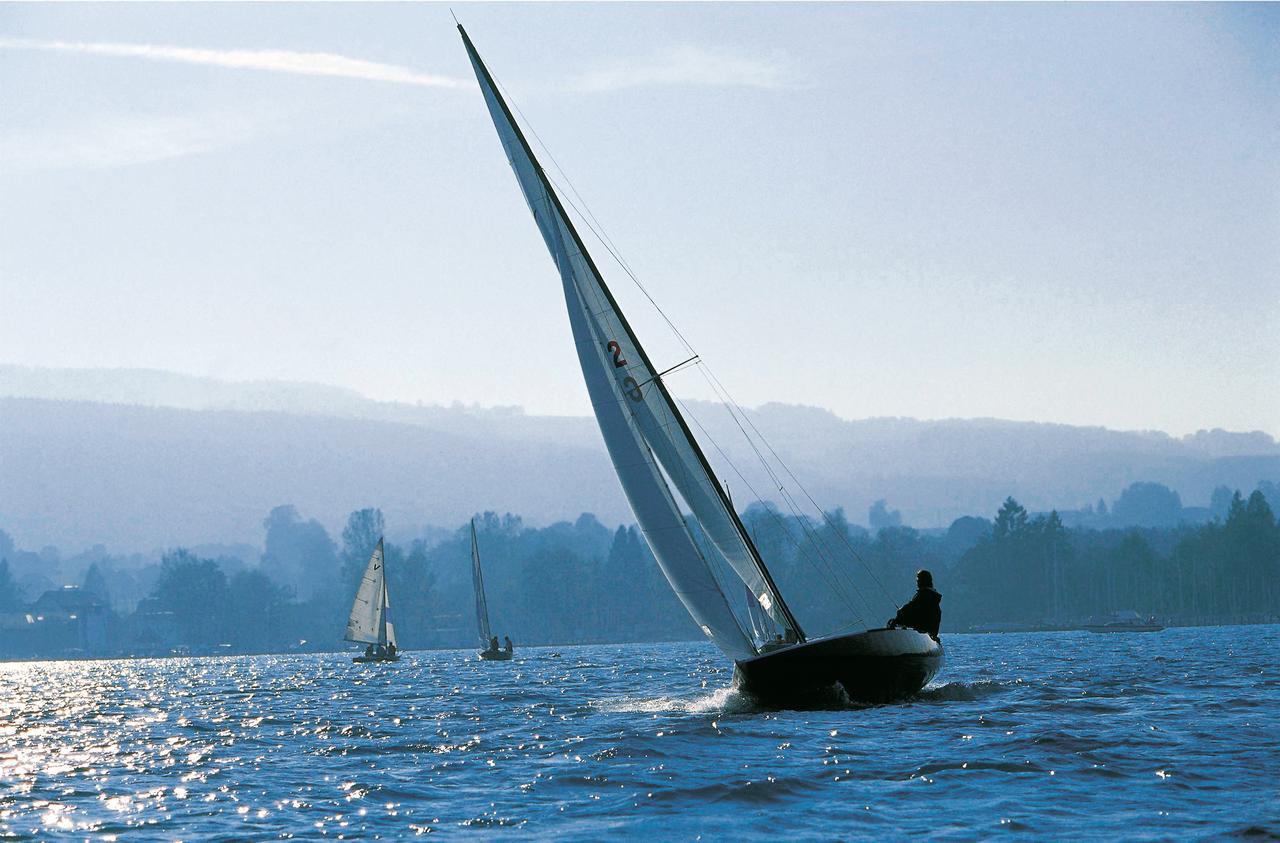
[(489, 649), (370, 620), (650, 444)]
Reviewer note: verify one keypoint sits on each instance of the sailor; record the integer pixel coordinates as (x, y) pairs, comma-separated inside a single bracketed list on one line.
[(924, 611), (368, 652), (381, 652), (391, 650), (493, 644), (507, 640)]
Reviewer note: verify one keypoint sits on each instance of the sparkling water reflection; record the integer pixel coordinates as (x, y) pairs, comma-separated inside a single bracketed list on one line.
[(1151, 736)]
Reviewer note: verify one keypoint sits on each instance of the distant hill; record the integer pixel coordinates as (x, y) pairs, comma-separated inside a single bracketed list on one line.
[(139, 459)]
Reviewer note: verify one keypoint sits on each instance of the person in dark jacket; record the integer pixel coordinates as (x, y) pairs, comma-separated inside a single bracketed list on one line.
[(924, 611)]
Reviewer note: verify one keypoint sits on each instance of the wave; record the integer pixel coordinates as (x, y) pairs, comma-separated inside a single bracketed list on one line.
[(723, 700), (962, 691), (732, 700)]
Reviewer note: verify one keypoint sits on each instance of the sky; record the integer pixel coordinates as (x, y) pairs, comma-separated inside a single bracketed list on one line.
[(1062, 213)]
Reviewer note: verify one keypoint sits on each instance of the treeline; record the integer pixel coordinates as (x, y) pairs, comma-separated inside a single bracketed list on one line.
[(568, 582), (1035, 571), (581, 581)]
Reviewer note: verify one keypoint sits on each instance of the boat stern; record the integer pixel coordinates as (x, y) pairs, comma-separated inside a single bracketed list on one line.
[(879, 665)]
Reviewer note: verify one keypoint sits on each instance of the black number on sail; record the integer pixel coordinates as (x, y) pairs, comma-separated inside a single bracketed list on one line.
[(618, 360), (633, 389)]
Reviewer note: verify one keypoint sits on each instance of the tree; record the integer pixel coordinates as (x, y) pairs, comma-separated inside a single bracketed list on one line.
[(195, 590), (557, 592), (299, 553), (1270, 491), (1148, 505), (628, 582), (10, 596), (414, 611), (1259, 511), (1220, 503), (255, 611), (1054, 551), (1132, 575), (968, 530), (359, 537), (1011, 520), (1252, 552), (879, 516), (96, 584)]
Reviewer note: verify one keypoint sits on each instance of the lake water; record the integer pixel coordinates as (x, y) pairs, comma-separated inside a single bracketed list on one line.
[(1147, 736)]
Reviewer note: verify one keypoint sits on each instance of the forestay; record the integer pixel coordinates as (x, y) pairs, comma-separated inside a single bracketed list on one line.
[(477, 580), (637, 418)]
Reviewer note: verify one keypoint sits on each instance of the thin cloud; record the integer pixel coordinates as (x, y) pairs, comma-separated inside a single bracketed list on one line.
[(688, 65), (277, 61), (120, 143)]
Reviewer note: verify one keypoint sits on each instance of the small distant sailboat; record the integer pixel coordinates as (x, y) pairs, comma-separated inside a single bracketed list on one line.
[(370, 622), (1127, 621), (653, 450), (488, 642)]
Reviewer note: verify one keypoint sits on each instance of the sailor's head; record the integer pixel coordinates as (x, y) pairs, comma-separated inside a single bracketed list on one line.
[(924, 579)]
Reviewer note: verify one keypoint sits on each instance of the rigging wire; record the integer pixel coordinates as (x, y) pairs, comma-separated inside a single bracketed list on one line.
[(722, 392), (788, 498), (801, 520)]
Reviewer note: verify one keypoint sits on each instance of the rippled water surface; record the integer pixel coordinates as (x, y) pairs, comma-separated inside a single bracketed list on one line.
[(1163, 735)]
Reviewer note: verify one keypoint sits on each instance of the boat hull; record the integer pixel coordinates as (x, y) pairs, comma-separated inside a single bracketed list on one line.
[(375, 659), (879, 665), (495, 655), (1132, 627)]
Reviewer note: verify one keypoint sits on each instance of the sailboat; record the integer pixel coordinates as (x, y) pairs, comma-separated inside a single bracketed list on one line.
[(370, 622), (489, 650), (653, 450)]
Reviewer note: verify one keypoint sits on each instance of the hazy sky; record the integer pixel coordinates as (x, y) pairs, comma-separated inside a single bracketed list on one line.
[(1062, 213)]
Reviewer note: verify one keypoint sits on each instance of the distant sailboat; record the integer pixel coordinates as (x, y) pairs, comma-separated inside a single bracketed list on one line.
[(490, 651), (370, 622), (1127, 621), (650, 443)]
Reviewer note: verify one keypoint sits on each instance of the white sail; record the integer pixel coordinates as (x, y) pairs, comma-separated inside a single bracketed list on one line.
[(757, 631), (388, 630), (637, 418), (369, 620), (477, 580)]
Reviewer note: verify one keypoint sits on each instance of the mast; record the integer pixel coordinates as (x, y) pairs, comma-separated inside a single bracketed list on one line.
[(653, 376), (383, 601)]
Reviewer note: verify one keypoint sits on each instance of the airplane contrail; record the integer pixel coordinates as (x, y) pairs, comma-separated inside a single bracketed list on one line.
[(279, 61)]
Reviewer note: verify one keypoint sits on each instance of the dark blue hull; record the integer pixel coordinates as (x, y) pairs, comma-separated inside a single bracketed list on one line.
[(879, 665)]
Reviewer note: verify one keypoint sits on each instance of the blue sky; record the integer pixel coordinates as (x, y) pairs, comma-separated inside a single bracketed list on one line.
[(1065, 213)]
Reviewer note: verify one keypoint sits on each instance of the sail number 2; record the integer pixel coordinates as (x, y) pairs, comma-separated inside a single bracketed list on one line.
[(629, 383), (618, 361)]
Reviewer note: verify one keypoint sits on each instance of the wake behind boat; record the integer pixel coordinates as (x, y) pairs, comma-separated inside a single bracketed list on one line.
[(653, 449), (491, 652), (369, 622)]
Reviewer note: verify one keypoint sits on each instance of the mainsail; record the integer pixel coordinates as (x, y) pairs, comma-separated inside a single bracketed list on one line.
[(370, 622), (643, 430), (477, 579)]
